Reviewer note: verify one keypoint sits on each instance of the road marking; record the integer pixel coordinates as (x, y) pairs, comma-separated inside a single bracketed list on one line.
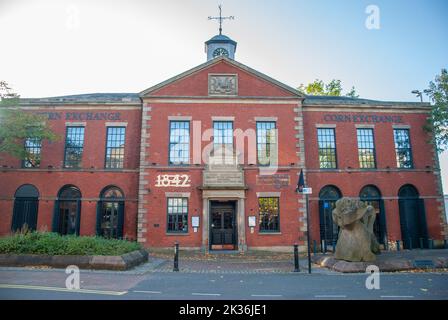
[(266, 295), (397, 296), (330, 296), (205, 294), (143, 291), (18, 286)]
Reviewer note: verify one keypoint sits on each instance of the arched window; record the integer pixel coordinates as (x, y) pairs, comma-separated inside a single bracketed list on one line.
[(414, 230), (110, 213), (67, 213), (26, 203), (408, 191), (372, 196), (328, 196)]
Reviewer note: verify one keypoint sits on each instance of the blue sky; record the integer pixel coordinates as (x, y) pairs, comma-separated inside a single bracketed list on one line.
[(57, 47)]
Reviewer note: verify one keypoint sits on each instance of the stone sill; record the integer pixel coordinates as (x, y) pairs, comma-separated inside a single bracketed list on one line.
[(123, 262), (182, 234), (269, 233)]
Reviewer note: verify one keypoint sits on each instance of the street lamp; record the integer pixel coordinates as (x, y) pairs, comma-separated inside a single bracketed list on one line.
[(302, 188), (418, 93)]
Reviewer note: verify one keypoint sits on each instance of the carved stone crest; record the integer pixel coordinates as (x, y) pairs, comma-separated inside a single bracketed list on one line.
[(223, 84)]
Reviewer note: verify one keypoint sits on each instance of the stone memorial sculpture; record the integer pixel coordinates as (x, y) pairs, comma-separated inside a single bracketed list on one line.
[(356, 241)]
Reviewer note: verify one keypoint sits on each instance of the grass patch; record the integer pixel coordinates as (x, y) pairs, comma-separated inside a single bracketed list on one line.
[(54, 244)]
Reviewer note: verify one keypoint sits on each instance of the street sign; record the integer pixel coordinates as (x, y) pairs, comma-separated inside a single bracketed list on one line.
[(307, 190)]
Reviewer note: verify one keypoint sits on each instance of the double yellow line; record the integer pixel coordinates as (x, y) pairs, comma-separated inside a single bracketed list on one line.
[(19, 286)]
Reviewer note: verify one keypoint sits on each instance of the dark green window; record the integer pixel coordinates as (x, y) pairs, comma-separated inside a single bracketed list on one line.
[(269, 214), (327, 148), (179, 149), (177, 215), (403, 148), (74, 145), (266, 140), (366, 149), (33, 148), (116, 137)]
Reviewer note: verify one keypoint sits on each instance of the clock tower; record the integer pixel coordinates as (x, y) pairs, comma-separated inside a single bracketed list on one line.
[(220, 45)]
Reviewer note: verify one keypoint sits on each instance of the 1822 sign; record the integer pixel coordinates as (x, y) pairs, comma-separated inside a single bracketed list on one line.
[(173, 180)]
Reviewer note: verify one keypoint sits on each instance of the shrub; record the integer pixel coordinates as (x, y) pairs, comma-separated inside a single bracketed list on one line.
[(55, 244)]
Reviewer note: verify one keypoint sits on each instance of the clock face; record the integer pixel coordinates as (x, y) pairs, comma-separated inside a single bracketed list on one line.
[(220, 52)]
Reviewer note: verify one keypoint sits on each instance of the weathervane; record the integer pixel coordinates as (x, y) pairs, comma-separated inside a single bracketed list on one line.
[(221, 18)]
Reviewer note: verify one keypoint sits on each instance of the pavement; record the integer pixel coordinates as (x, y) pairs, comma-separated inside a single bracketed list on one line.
[(210, 277), (392, 261)]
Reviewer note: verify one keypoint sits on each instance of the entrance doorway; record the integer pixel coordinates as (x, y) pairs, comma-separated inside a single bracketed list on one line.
[(67, 216), (26, 203), (223, 227), (414, 230)]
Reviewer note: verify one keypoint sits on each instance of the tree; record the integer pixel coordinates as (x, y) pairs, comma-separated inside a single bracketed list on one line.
[(16, 126), (333, 88), (438, 121)]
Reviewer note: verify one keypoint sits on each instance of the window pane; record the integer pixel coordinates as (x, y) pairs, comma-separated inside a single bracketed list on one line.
[(327, 148), (269, 214), (33, 149), (266, 140), (116, 137), (403, 148), (179, 147), (366, 148), (74, 143), (177, 215)]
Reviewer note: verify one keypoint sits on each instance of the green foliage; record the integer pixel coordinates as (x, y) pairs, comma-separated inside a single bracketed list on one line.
[(438, 122), (320, 88), (55, 244), (17, 125)]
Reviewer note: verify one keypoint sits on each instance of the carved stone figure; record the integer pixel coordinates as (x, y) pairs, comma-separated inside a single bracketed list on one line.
[(356, 241)]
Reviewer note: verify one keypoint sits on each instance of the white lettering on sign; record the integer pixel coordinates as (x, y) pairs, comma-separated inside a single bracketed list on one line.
[(173, 180), (307, 191)]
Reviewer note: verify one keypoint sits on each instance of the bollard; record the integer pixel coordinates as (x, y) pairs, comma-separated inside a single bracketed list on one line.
[(314, 246), (410, 243), (334, 246), (386, 243), (421, 243), (325, 246), (445, 244), (431, 243), (176, 257), (296, 258), (398, 245)]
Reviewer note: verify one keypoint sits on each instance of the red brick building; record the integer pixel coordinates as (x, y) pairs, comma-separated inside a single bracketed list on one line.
[(210, 158)]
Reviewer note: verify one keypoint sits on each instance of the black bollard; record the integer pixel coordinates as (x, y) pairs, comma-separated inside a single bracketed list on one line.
[(398, 245), (431, 244), (334, 246), (325, 246), (314, 246), (410, 243), (421, 243), (296, 258), (445, 243), (176, 257)]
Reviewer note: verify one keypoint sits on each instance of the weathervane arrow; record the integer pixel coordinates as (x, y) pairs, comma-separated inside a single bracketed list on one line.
[(221, 18)]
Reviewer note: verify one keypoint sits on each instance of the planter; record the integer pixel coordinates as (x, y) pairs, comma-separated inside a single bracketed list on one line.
[(123, 262)]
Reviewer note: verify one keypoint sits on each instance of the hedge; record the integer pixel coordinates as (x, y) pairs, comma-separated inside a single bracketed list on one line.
[(55, 244)]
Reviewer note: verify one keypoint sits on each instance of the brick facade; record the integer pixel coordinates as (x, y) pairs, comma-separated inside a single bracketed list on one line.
[(147, 119)]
